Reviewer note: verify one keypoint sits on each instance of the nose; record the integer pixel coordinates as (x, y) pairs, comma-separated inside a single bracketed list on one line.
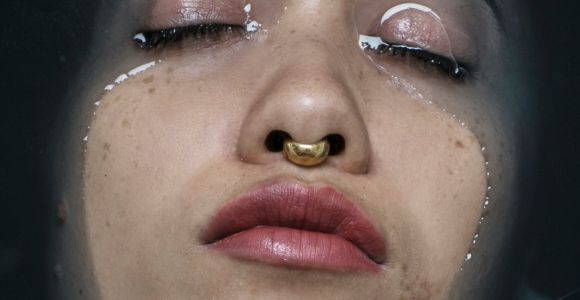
[(307, 102)]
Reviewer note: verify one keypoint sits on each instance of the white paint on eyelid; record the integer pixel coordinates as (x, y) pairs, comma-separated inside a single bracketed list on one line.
[(248, 8), (406, 6), (372, 42)]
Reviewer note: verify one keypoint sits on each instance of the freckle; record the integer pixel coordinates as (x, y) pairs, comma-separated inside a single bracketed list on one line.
[(459, 144), (104, 157), (107, 224), (148, 79), (449, 171), (167, 80), (151, 90), (107, 146), (170, 70), (126, 124), (292, 31)]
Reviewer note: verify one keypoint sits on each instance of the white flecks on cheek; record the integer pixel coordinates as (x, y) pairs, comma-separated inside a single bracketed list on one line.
[(123, 77), (119, 80), (142, 68)]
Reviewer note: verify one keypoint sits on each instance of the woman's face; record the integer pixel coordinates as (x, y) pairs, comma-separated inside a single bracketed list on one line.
[(186, 194)]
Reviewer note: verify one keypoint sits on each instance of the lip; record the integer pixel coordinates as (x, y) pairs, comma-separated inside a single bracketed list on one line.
[(288, 224)]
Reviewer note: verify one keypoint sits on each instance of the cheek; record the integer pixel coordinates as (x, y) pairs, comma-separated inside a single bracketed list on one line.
[(146, 144), (150, 123), (433, 176)]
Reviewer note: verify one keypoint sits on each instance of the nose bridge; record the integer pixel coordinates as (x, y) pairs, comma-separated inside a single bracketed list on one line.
[(316, 31), (316, 16)]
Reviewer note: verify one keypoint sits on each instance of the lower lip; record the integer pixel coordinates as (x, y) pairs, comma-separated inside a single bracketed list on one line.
[(296, 249)]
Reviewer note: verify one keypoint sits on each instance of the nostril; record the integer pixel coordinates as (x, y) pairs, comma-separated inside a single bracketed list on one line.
[(337, 144), (275, 140)]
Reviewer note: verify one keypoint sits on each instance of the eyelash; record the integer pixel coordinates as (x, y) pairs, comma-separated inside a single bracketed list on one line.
[(200, 34), (444, 64), (210, 34)]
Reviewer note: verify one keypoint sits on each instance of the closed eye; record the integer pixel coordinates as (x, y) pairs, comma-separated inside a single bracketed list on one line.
[(445, 65), (199, 35)]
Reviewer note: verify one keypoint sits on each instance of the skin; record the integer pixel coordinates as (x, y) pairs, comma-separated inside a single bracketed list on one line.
[(172, 145)]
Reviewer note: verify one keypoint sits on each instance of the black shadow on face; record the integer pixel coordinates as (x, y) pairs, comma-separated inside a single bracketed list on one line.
[(42, 45)]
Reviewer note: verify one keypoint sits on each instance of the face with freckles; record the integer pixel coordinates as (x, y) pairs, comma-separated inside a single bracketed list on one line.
[(422, 144)]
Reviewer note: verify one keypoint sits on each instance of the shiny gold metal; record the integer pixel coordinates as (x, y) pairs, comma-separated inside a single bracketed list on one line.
[(306, 155)]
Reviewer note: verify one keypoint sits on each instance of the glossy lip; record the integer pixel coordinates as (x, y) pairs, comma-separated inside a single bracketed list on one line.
[(297, 226)]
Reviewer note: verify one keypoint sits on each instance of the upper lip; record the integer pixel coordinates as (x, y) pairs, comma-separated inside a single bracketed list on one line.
[(317, 209)]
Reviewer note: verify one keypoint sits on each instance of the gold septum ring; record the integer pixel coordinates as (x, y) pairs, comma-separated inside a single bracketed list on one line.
[(306, 155)]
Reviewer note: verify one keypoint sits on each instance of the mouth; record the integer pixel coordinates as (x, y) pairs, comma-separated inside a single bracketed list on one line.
[(287, 224)]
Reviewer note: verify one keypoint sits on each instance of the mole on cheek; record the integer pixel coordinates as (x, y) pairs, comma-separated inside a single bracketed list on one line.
[(148, 79), (151, 91), (459, 144), (106, 148)]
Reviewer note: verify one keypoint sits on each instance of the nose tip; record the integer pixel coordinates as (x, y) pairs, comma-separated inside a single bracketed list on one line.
[(306, 106)]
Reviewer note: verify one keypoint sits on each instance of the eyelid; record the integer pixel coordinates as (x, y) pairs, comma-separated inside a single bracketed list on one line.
[(180, 13), (424, 29), (449, 66)]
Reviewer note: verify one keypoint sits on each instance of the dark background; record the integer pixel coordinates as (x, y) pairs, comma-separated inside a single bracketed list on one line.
[(42, 45)]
